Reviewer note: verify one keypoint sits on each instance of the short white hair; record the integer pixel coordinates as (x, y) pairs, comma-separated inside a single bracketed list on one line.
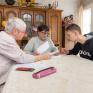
[(14, 23)]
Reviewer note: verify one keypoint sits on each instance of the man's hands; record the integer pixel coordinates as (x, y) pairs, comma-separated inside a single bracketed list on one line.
[(64, 51)]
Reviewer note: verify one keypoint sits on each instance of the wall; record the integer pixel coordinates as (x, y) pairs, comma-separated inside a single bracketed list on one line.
[(69, 6), (2, 2)]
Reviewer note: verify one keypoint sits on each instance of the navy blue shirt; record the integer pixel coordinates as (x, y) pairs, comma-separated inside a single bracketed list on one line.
[(85, 50)]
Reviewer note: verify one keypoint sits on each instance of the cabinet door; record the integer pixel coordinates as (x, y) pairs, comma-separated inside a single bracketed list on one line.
[(39, 18), (54, 26), (1, 19), (54, 22), (10, 12), (27, 17)]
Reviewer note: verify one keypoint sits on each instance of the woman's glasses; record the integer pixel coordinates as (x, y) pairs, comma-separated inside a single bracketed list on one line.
[(45, 33)]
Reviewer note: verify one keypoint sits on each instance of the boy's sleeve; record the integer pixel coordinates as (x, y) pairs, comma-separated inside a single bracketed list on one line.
[(89, 35), (75, 50)]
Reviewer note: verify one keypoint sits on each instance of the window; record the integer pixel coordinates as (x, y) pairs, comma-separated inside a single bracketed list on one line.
[(86, 21)]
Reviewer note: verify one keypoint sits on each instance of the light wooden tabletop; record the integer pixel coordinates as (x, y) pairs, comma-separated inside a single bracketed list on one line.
[(74, 75)]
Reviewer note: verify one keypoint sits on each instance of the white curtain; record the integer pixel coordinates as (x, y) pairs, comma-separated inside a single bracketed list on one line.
[(87, 7), (80, 20)]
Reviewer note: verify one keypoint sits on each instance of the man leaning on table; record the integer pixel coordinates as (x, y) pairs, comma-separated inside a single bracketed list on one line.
[(84, 45), (10, 52)]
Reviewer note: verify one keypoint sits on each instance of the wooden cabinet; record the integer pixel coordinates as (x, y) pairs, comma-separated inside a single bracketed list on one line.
[(39, 18), (34, 17), (54, 22), (9, 13), (27, 17)]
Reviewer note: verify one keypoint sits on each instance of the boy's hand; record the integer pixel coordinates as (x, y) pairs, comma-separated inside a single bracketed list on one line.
[(64, 51)]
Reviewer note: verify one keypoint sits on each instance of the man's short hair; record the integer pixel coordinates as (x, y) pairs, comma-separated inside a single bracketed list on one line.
[(73, 27)]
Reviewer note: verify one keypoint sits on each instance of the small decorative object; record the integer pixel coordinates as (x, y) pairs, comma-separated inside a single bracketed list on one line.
[(49, 35), (65, 21), (49, 6), (33, 31), (4, 23), (71, 19), (10, 2), (68, 20), (29, 3), (55, 5)]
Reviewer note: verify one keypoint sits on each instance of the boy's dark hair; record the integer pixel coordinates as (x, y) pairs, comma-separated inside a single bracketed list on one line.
[(73, 27), (43, 27)]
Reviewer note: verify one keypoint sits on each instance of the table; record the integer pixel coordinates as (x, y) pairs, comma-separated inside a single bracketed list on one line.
[(74, 75)]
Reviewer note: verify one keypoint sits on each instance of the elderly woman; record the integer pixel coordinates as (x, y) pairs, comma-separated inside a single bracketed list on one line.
[(36, 42), (10, 52)]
